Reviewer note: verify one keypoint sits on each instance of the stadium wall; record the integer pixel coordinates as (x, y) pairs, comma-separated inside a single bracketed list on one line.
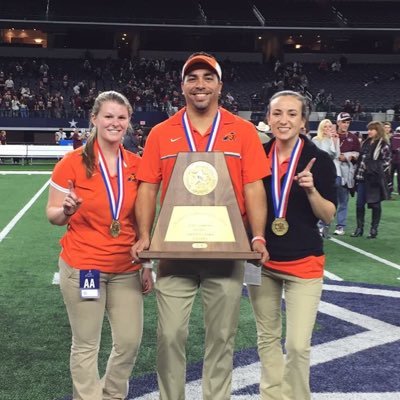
[(253, 57), (40, 52)]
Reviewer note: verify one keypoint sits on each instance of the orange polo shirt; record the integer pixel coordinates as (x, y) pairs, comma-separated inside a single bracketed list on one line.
[(87, 243), (236, 137), (308, 267)]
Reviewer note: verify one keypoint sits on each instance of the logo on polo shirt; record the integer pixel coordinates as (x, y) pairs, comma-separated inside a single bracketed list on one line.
[(132, 178), (229, 137)]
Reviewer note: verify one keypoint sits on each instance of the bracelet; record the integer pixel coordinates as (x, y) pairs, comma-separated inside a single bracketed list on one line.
[(259, 238), (68, 215), (148, 265)]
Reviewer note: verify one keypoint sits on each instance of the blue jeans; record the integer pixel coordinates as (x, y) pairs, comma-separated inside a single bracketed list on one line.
[(342, 202)]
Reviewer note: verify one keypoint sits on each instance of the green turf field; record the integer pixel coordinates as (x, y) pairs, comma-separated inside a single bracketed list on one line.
[(35, 334)]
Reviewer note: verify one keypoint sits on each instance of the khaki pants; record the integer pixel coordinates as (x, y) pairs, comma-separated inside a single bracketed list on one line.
[(121, 298), (176, 287), (285, 378)]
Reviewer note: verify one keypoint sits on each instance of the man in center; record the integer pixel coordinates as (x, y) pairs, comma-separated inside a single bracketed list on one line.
[(201, 126)]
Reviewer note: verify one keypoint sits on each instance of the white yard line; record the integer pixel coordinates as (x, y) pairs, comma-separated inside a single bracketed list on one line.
[(332, 276), (366, 253), (376, 333), (21, 213), (25, 172)]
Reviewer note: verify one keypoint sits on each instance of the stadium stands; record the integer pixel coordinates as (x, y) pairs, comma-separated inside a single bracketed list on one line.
[(72, 85)]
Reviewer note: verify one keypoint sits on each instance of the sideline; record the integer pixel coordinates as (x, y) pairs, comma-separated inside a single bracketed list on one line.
[(21, 213)]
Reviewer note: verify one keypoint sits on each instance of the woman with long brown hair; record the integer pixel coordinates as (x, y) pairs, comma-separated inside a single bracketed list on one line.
[(301, 191), (372, 177)]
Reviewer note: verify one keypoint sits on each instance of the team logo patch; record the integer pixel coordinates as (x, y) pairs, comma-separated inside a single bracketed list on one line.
[(132, 178), (229, 137)]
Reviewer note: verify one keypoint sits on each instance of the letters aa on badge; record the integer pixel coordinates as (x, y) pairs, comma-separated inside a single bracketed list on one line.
[(89, 284)]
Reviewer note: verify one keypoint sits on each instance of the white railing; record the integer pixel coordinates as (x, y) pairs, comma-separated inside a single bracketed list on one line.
[(29, 151)]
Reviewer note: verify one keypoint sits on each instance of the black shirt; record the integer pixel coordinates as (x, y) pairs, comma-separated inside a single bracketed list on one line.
[(303, 238)]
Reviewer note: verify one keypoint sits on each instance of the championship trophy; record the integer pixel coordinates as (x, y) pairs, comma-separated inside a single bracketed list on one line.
[(200, 216)]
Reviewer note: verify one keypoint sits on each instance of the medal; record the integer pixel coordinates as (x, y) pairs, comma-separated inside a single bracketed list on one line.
[(280, 226), (115, 201), (115, 228), (280, 192)]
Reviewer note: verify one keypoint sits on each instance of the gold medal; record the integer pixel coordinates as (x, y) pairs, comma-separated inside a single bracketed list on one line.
[(280, 226), (115, 228)]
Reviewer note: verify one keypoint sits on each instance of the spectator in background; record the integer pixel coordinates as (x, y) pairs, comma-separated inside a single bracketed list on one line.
[(15, 104), (59, 135), (76, 139), (357, 110), (23, 109), (2, 80), (3, 141), (372, 175), (395, 167), (3, 137), (348, 107), (263, 131), (327, 140), (132, 139), (349, 151), (9, 84), (387, 126)]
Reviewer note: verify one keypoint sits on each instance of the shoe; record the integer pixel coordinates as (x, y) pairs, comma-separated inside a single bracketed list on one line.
[(325, 232), (339, 231), (357, 233), (373, 233)]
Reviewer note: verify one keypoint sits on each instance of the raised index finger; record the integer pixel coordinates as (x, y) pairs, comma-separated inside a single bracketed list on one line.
[(309, 165), (71, 186)]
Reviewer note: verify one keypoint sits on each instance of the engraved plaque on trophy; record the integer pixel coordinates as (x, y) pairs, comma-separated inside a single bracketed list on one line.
[(200, 216)]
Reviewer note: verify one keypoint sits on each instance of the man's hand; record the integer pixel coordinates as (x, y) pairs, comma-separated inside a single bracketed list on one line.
[(147, 280), (140, 245)]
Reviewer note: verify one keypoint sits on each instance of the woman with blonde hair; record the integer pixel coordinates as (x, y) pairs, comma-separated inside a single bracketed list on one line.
[(372, 177), (327, 140), (93, 191)]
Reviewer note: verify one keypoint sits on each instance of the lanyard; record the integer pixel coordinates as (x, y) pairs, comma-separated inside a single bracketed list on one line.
[(280, 193), (189, 134), (115, 201)]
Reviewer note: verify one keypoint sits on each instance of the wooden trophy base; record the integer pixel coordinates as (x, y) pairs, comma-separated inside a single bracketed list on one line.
[(204, 255), (200, 217)]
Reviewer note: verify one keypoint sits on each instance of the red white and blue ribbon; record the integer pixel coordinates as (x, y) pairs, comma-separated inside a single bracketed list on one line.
[(213, 134), (115, 201), (280, 193)]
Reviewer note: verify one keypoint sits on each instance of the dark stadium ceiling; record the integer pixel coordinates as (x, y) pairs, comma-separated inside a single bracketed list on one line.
[(184, 14)]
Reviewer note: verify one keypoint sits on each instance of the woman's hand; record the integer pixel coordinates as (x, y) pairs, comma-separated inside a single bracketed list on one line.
[(305, 178), (71, 201)]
